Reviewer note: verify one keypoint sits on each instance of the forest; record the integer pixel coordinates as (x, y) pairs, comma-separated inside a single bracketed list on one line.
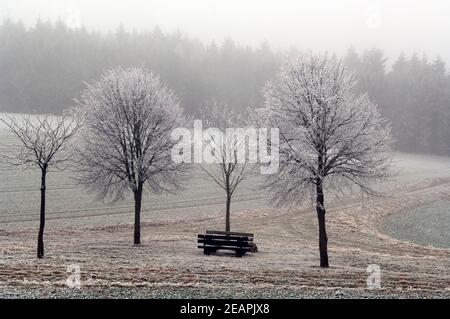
[(44, 68)]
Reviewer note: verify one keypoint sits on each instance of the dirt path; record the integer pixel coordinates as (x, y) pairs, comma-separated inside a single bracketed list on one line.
[(169, 264)]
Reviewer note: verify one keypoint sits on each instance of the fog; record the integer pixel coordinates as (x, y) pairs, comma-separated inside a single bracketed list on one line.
[(209, 50), (138, 136), (394, 26)]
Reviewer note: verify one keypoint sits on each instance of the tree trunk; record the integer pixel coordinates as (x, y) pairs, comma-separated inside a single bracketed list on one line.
[(40, 241), (137, 214), (323, 239), (228, 203), (227, 215)]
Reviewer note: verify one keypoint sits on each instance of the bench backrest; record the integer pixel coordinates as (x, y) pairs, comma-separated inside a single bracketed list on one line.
[(218, 232)]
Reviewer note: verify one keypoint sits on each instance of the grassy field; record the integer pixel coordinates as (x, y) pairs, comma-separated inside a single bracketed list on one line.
[(98, 237), (428, 224), (69, 204)]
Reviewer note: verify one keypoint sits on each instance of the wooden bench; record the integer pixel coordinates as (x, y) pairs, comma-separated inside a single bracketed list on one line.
[(240, 243)]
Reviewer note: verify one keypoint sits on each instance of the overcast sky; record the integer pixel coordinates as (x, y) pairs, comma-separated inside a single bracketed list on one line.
[(395, 26)]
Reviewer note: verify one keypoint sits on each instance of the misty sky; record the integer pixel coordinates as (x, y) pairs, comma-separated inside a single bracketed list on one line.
[(395, 26)]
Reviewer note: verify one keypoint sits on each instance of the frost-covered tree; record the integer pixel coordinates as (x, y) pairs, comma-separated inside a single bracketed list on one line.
[(43, 143), (226, 158), (330, 137), (125, 145)]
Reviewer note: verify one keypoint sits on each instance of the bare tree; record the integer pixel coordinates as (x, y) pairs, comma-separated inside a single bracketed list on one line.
[(330, 138), (128, 116), (226, 160), (43, 143)]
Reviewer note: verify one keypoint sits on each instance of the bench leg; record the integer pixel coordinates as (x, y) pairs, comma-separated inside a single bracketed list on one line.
[(206, 251), (239, 253)]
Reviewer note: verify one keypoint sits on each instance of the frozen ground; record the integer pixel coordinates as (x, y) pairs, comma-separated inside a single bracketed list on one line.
[(169, 264), (98, 238)]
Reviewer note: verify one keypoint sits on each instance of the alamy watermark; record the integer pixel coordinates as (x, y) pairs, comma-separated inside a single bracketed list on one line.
[(374, 279), (232, 145), (74, 279)]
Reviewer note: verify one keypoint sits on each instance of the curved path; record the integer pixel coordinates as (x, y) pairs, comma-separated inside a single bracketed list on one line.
[(98, 238), (285, 266)]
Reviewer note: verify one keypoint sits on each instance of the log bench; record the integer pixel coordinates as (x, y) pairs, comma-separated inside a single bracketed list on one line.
[(240, 243)]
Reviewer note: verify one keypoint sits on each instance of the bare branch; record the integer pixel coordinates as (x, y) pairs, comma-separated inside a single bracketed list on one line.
[(329, 137), (42, 140), (128, 116)]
